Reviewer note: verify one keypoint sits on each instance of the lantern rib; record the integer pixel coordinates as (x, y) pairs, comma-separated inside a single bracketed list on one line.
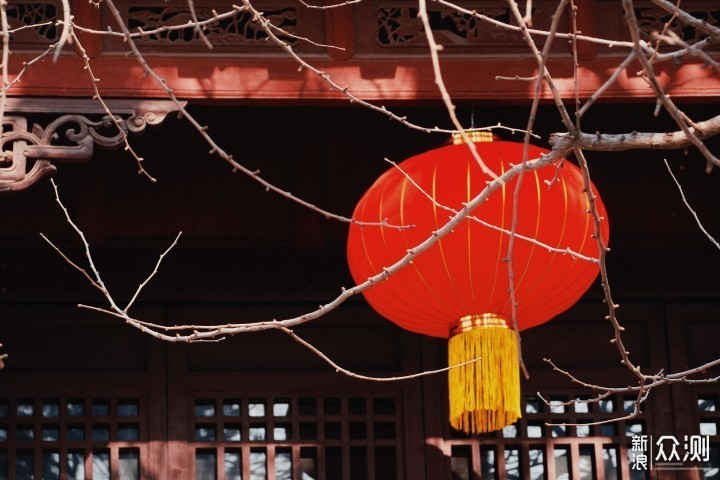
[(503, 231), (411, 310), (440, 242), (537, 231), (560, 240), (449, 310), (475, 258), (403, 307), (586, 233), (468, 185)]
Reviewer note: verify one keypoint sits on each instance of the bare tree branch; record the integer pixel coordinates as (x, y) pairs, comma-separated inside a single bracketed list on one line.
[(688, 19), (65, 33), (693, 212), (115, 120), (328, 7), (562, 251), (203, 130), (572, 140), (669, 105), (542, 58), (603, 142), (205, 332), (152, 274), (5, 60), (198, 28)]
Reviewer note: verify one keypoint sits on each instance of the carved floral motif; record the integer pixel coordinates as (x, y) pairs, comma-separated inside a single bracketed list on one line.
[(237, 30), (399, 25), (654, 19)]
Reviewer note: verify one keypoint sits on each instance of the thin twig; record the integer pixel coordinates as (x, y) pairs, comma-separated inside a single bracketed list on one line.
[(576, 62), (65, 33), (5, 61), (439, 82), (303, 39), (95, 279), (345, 90), (704, 27), (672, 39), (352, 374), (666, 27), (214, 146), (204, 332), (152, 274), (541, 59), (196, 23), (603, 88), (164, 28), (534, 241), (650, 77), (115, 120), (328, 7), (515, 28), (692, 211)]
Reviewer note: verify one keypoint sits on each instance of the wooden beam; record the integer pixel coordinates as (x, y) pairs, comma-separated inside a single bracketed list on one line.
[(387, 79)]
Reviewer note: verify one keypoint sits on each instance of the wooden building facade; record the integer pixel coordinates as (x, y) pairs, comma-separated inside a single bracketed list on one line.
[(84, 396)]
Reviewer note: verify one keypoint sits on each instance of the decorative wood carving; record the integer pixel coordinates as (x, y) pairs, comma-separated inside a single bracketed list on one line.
[(393, 28), (33, 24), (653, 19), (400, 25), (29, 155), (237, 30)]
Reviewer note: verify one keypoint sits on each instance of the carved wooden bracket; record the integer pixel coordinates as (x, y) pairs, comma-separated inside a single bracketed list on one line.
[(26, 156)]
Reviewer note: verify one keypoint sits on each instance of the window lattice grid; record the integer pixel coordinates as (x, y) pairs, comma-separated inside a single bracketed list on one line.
[(297, 437), (708, 423), (553, 441), (75, 438)]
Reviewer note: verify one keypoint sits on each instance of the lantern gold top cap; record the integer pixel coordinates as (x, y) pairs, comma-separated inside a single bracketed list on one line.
[(475, 136), (471, 322)]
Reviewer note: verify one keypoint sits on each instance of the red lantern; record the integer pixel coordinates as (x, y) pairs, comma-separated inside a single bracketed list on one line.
[(458, 289)]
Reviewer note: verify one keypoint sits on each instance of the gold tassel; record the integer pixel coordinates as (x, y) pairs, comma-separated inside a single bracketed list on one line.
[(484, 395)]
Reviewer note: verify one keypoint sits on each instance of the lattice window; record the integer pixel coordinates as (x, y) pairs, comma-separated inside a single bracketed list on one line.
[(73, 438), (297, 437), (708, 405), (533, 449)]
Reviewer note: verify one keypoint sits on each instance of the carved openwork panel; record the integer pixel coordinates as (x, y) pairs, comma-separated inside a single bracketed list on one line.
[(395, 27), (654, 20), (228, 28), (27, 154), (236, 30), (32, 25)]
